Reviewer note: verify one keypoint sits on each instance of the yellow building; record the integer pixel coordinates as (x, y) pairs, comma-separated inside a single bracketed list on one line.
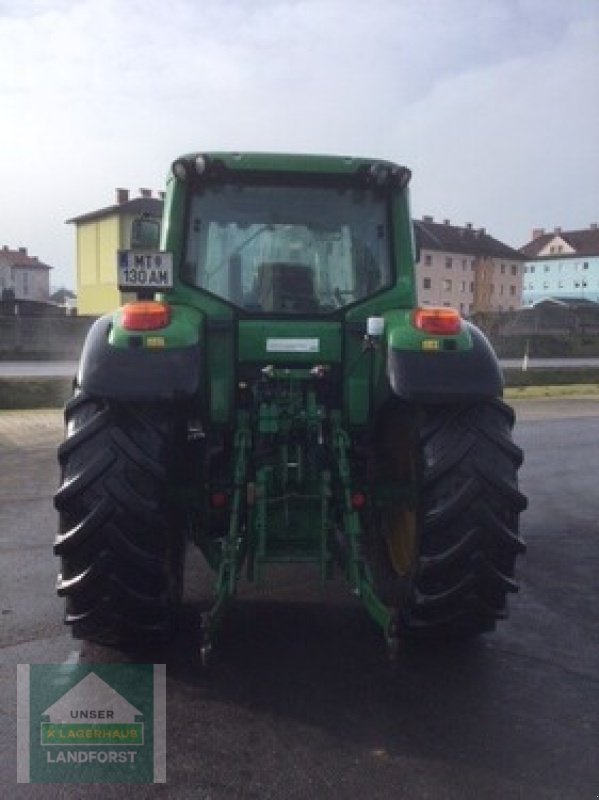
[(100, 234)]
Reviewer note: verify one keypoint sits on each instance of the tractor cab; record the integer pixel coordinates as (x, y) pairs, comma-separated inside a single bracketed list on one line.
[(287, 249)]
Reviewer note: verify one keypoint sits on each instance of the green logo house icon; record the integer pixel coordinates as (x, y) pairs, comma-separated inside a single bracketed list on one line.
[(103, 724)]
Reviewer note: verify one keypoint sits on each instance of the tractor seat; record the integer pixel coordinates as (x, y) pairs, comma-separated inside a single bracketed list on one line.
[(286, 288)]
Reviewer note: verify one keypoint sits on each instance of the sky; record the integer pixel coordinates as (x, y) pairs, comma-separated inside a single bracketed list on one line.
[(493, 104)]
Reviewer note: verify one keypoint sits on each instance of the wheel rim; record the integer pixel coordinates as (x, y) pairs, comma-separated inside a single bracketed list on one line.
[(401, 520), (401, 539)]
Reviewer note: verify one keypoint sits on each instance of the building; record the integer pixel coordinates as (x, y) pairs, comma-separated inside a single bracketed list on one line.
[(562, 265), (66, 299), (23, 277), (100, 234), (466, 268)]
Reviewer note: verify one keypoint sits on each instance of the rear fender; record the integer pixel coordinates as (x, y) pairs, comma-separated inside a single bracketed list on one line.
[(467, 370), (157, 365)]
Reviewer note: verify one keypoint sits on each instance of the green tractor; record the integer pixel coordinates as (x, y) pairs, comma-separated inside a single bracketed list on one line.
[(275, 396)]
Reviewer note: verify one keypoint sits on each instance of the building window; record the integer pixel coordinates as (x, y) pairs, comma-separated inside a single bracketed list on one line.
[(464, 263), (428, 260), (512, 290), (546, 268), (514, 269), (492, 288), (501, 289), (472, 263), (426, 283), (447, 284), (585, 265), (25, 283), (448, 262), (532, 269), (503, 269), (446, 303), (472, 287), (525, 269), (463, 289)]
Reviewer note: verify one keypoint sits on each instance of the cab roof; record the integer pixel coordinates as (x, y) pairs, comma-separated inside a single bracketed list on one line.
[(292, 162)]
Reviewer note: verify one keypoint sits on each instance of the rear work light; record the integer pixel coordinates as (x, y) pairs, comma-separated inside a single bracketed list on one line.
[(146, 315), (438, 321)]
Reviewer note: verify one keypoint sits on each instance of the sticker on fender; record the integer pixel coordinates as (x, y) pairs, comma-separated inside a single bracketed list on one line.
[(293, 345), (145, 269)]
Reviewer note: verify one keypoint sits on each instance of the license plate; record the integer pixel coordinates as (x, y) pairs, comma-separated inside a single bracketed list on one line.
[(145, 269)]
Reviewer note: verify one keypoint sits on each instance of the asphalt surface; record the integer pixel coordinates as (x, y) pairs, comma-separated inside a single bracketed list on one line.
[(550, 363), (38, 369), (302, 702)]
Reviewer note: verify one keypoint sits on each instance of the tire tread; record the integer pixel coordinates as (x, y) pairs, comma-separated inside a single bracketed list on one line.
[(115, 524)]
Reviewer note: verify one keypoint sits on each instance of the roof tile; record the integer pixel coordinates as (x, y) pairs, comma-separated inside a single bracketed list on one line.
[(139, 205), (462, 240), (20, 258), (584, 242)]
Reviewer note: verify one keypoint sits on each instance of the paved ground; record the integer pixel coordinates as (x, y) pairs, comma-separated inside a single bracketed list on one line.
[(302, 703), (548, 408), (12, 369), (552, 363)]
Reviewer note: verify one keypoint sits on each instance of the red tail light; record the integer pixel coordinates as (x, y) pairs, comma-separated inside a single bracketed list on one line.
[(438, 321), (358, 500), (146, 315), (218, 499)]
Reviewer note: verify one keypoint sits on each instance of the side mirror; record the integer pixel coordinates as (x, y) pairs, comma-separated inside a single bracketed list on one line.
[(145, 233)]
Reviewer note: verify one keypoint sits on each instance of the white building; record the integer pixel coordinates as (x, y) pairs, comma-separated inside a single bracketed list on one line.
[(563, 265), (25, 275)]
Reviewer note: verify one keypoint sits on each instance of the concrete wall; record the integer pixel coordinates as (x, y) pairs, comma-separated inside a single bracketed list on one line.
[(544, 331), (42, 337)]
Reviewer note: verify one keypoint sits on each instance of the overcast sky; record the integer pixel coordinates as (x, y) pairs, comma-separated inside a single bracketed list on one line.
[(493, 104)]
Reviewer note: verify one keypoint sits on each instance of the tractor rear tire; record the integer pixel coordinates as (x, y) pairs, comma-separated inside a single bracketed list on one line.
[(464, 540), (120, 540)]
